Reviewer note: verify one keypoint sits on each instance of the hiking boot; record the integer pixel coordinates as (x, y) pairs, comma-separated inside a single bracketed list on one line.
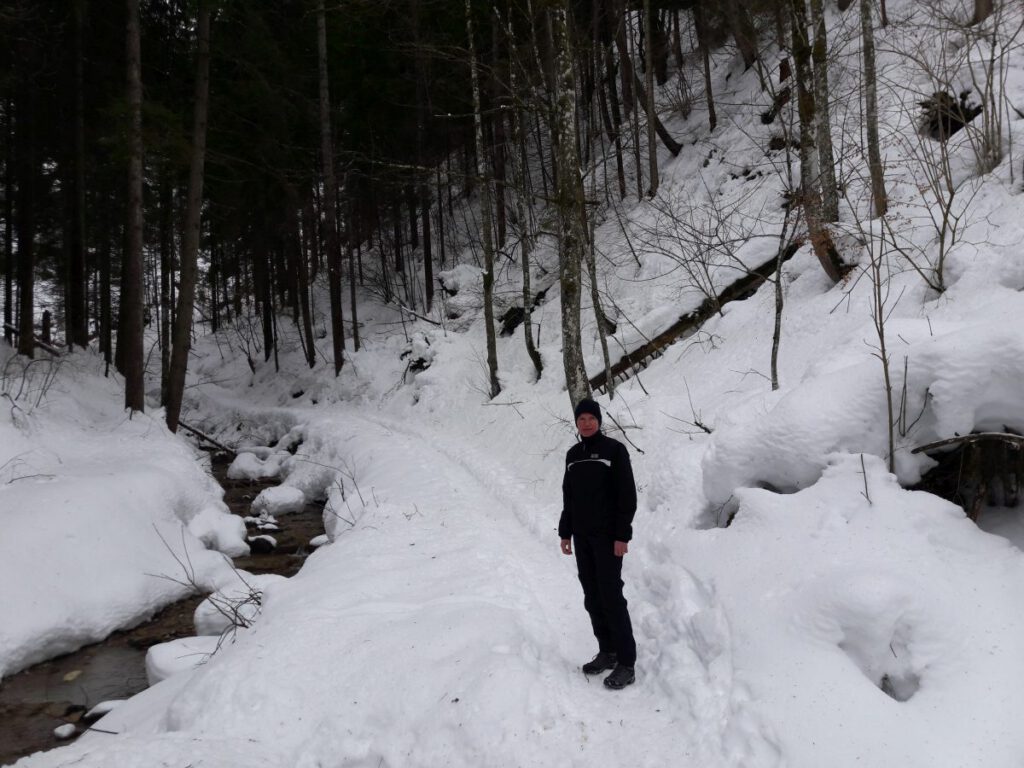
[(620, 677), (600, 663)]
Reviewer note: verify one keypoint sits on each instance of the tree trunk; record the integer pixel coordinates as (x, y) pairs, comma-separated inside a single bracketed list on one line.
[(611, 125), (625, 64), (213, 277), (76, 315), (24, 151), (486, 213), (677, 45), (262, 278), (879, 197), (700, 25), (500, 102), (821, 239), (982, 10), (599, 317), (608, 95), (182, 339), (9, 224), (352, 240), (571, 207), (519, 165), (822, 116), (652, 145), (302, 279), (671, 144), (330, 195), (440, 217), (130, 331), (428, 255), (166, 278), (106, 311), (743, 31)]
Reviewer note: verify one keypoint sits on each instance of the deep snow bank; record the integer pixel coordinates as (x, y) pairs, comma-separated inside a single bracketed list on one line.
[(97, 510)]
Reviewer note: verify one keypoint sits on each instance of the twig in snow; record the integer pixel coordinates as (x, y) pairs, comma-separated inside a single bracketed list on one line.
[(864, 472)]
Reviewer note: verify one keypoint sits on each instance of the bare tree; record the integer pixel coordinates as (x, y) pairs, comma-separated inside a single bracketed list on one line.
[(879, 197), (523, 212), (182, 339), (330, 195), (571, 207), (77, 321), (486, 212), (878, 271), (652, 145), (822, 116), (24, 154), (130, 342), (810, 174)]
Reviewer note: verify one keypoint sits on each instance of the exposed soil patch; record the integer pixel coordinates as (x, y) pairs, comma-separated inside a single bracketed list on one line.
[(52, 693)]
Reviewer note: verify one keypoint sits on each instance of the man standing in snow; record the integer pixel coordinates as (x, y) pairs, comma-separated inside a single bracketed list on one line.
[(598, 502)]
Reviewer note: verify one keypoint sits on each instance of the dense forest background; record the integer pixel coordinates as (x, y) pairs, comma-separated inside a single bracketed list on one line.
[(166, 162)]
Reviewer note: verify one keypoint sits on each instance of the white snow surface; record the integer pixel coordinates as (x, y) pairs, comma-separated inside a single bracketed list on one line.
[(178, 656), (237, 603), (839, 619), (278, 500), (97, 512)]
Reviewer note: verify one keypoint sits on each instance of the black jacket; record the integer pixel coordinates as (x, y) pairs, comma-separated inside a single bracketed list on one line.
[(598, 491)]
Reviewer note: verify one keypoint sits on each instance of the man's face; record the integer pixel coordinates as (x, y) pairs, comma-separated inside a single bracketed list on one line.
[(587, 424)]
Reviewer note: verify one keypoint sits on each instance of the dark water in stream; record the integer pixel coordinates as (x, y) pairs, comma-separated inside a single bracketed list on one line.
[(37, 700)]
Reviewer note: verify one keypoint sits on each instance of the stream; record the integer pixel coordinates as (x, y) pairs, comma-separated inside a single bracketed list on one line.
[(52, 693)]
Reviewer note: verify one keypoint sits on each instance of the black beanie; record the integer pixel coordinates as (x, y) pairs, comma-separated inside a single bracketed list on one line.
[(586, 405)]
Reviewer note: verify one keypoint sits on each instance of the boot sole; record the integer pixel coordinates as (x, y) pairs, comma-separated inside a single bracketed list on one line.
[(615, 687)]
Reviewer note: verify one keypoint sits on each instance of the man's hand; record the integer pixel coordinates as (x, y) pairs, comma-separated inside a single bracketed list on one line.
[(621, 548), (566, 546)]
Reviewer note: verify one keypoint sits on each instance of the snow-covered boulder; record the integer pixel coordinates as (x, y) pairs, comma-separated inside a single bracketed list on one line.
[(167, 659), (220, 530), (235, 604), (966, 379), (251, 466), (279, 500)]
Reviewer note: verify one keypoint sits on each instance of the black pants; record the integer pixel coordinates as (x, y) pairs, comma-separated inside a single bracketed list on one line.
[(601, 576)]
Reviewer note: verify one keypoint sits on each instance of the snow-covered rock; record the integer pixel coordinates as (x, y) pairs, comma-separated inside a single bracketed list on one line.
[(235, 604), (167, 659), (220, 530), (279, 500), (250, 466)]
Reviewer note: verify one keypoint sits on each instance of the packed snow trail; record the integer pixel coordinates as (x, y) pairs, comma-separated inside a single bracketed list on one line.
[(464, 651)]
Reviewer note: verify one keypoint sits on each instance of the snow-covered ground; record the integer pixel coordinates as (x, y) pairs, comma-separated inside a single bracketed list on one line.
[(100, 514), (839, 620)]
